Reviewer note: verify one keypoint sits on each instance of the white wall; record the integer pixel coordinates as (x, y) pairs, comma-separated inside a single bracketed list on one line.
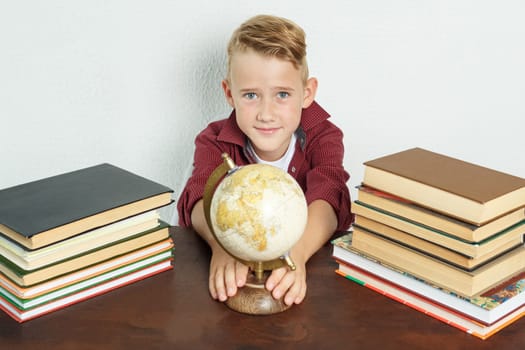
[(132, 82)]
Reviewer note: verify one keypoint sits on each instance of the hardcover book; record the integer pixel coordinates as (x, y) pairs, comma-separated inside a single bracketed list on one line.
[(25, 315), (439, 252), (492, 245), (31, 303), (432, 309), (463, 190), (84, 273), (102, 236), (486, 308), (466, 283), (27, 278), (400, 207), (43, 212)]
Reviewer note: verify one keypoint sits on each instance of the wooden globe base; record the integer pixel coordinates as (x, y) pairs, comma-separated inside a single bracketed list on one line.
[(255, 299)]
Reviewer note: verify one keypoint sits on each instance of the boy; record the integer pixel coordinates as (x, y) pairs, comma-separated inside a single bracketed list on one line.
[(275, 120)]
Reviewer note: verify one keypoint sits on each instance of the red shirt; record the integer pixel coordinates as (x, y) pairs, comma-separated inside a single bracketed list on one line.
[(317, 163)]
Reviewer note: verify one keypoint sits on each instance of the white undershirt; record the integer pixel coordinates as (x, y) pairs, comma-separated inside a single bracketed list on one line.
[(281, 163)]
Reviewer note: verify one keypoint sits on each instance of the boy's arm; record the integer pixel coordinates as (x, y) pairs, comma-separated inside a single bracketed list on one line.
[(226, 273), (206, 158), (199, 224), (327, 179), (321, 224)]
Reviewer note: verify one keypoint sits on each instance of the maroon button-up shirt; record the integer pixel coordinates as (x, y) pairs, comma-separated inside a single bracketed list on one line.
[(317, 163)]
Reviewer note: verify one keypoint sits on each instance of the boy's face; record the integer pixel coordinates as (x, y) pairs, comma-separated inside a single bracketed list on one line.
[(268, 95)]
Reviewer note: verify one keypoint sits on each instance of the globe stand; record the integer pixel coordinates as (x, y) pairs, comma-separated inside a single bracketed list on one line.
[(253, 298)]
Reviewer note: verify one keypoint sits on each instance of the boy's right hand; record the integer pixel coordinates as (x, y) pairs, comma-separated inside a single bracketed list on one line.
[(226, 275)]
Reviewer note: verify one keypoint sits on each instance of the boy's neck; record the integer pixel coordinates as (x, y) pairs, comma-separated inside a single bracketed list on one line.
[(282, 162)]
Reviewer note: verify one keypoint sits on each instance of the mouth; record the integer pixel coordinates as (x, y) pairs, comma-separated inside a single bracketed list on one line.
[(267, 131)]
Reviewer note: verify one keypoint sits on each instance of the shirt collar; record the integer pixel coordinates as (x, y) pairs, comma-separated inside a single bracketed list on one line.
[(231, 132)]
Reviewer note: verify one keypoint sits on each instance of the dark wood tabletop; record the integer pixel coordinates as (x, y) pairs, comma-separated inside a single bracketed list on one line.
[(173, 310)]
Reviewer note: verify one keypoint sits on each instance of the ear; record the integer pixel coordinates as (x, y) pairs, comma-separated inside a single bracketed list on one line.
[(310, 89), (227, 92)]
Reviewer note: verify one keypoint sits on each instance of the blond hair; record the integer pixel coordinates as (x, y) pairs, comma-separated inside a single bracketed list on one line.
[(271, 36)]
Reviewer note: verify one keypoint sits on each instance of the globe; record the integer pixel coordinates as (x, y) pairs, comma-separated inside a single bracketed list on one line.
[(258, 212)]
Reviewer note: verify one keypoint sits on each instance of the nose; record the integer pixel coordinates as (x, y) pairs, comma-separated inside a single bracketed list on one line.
[(265, 113)]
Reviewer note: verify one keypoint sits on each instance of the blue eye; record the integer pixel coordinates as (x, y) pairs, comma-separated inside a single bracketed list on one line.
[(250, 95), (283, 94)]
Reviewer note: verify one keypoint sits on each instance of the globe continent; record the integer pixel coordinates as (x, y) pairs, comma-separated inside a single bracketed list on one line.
[(258, 212)]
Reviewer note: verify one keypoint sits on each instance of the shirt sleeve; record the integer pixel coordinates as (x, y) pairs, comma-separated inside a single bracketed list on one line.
[(327, 177), (207, 156)]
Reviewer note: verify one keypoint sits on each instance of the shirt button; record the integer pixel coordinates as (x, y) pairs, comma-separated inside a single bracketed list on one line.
[(293, 169)]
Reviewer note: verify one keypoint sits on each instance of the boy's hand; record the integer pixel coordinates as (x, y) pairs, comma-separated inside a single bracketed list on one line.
[(291, 284), (226, 275)]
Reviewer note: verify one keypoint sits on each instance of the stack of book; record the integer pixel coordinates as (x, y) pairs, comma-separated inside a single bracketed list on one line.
[(70, 237), (441, 235)]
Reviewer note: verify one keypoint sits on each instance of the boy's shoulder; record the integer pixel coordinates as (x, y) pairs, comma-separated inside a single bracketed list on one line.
[(313, 116), (215, 126)]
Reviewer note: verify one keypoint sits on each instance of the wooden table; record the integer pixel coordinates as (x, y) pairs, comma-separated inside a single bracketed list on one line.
[(174, 311)]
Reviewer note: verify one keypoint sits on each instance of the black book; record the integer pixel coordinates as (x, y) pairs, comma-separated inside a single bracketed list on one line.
[(42, 212)]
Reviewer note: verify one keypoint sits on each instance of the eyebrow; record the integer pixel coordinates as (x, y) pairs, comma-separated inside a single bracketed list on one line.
[(248, 90), (283, 88), (276, 88)]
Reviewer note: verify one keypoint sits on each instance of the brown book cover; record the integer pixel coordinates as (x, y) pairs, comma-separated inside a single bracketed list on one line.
[(464, 190)]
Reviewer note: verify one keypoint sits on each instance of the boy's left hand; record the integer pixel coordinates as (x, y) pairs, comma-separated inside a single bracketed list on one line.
[(291, 284)]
